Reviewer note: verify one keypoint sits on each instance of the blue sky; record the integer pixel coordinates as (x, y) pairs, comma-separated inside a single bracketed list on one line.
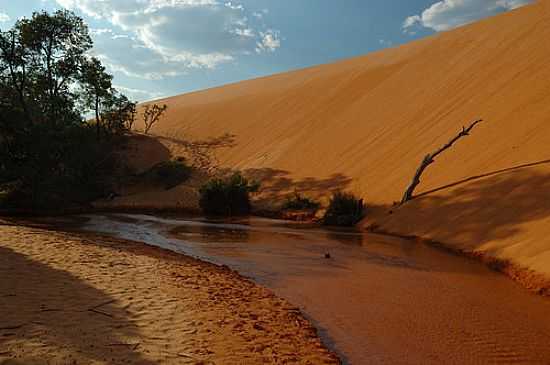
[(158, 48)]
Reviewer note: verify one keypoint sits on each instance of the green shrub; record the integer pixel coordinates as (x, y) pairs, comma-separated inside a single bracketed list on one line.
[(169, 173), (227, 197), (300, 202), (344, 210)]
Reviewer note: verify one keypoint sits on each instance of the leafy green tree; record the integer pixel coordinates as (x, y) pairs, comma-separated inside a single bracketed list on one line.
[(119, 113), (47, 148), (96, 88), (41, 58)]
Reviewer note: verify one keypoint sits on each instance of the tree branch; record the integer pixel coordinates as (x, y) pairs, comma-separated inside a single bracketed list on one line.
[(430, 158)]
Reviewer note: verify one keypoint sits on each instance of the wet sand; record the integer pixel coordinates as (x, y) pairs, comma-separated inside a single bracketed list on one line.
[(68, 298), (377, 299)]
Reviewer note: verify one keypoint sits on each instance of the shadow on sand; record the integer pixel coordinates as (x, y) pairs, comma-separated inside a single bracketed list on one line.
[(277, 185), (488, 207), (149, 150), (202, 153), (41, 304)]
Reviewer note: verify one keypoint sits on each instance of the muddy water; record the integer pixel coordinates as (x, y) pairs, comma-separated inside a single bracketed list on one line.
[(376, 299)]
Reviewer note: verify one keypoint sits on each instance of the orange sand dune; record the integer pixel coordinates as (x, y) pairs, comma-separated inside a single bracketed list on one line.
[(364, 124)]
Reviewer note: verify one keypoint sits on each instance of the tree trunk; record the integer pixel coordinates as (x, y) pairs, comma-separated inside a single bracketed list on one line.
[(430, 158), (97, 119)]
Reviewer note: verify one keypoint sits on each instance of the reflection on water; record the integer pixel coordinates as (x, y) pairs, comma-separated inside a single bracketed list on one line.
[(376, 299), (351, 238), (208, 234)]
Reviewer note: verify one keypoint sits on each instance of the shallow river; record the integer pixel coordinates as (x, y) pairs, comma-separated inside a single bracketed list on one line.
[(377, 299)]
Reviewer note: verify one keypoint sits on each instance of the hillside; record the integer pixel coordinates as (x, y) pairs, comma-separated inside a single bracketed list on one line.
[(364, 124)]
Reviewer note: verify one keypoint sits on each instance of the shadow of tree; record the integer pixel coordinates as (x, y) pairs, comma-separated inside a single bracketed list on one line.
[(202, 153), (277, 185), (44, 306), (145, 151)]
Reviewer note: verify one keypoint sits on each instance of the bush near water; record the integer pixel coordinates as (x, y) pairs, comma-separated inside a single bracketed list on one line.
[(344, 209), (227, 197)]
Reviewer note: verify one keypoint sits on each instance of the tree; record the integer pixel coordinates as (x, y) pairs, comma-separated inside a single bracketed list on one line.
[(131, 113), (96, 87), (118, 114), (152, 114), (47, 148), (40, 59)]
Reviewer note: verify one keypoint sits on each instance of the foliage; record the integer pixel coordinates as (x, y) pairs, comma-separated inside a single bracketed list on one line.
[(344, 210), (152, 114), (299, 202), (48, 151), (95, 87), (119, 114), (169, 173), (227, 197)]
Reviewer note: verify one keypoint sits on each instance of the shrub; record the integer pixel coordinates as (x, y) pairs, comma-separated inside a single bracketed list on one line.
[(227, 197), (169, 173), (344, 210), (300, 202)]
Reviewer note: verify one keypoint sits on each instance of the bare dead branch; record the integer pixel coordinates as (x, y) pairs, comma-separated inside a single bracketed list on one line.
[(430, 158), (152, 114)]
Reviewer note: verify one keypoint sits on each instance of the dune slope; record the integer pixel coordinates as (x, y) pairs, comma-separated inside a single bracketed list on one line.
[(364, 124)]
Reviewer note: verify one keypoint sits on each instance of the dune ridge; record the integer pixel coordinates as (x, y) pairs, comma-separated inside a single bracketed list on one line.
[(364, 124)]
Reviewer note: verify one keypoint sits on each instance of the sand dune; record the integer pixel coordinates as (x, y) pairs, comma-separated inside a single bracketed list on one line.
[(364, 124)]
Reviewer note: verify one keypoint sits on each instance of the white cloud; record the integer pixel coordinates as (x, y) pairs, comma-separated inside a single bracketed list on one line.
[(138, 94), (269, 42), (234, 6), (178, 33), (142, 69), (448, 14), (412, 21), (4, 17), (260, 14), (100, 31)]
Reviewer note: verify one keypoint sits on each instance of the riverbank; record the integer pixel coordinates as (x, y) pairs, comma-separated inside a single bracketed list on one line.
[(376, 299), (75, 298)]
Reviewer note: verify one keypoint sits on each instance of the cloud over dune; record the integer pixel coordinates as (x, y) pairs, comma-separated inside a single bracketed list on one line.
[(449, 14)]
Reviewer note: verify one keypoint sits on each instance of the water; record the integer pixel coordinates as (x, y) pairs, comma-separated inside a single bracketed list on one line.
[(377, 299)]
